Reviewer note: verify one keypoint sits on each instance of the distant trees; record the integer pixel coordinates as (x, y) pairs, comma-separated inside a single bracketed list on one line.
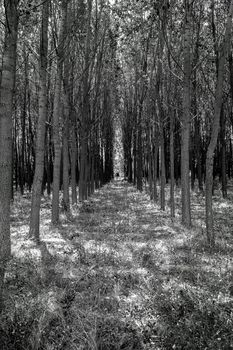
[(186, 101), (63, 116), (62, 106), (222, 54)]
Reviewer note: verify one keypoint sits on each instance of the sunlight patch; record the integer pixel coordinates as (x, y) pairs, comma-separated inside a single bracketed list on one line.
[(168, 229), (25, 250), (160, 246), (141, 271)]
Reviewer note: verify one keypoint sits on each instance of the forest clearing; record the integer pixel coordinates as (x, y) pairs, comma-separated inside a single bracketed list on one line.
[(120, 275), (116, 168)]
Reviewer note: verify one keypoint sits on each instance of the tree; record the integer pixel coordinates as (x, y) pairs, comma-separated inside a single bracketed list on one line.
[(185, 127), (223, 53), (85, 112), (6, 109), (42, 116), (56, 115)]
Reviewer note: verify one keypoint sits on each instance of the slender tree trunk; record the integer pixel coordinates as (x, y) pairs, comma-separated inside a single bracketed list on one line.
[(162, 167), (230, 61), (134, 154), (23, 122), (48, 137), (84, 134), (139, 151), (56, 118), (185, 131), (65, 149), (40, 140), (57, 149), (47, 164), (196, 138), (149, 154), (15, 159), (171, 113), (83, 165), (92, 180), (31, 159), (192, 162), (73, 159), (223, 152), (172, 178), (160, 109), (215, 128), (66, 126), (198, 153), (155, 167), (6, 109), (230, 173)]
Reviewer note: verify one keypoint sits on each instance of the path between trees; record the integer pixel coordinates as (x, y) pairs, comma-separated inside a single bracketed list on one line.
[(122, 275)]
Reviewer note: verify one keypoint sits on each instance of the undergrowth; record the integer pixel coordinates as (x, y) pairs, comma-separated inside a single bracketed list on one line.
[(113, 280)]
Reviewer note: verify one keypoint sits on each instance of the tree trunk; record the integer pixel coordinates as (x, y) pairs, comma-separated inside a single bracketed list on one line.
[(66, 125), (198, 153), (6, 108), (57, 150), (139, 151), (23, 122), (162, 167), (192, 162), (172, 178), (223, 152), (40, 139), (48, 138), (85, 117), (185, 131), (66, 200), (134, 153), (73, 158), (215, 128), (155, 166), (56, 118), (149, 155), (229, 167)]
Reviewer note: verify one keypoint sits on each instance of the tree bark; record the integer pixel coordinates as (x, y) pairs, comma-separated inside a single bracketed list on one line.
[(85, 117), (185, 131), (139, 151), (172, 177), (223, 151), (56, 118), (6, 108), (155, 166), (23, 123), (40, 139), (73, 158), (162, 167), (66, 199)]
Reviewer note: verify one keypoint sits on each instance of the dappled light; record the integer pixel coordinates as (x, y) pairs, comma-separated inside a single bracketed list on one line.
[(120, 270), (116, 190)]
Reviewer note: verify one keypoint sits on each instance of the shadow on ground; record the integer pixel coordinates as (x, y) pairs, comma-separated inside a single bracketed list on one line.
[(122, 275)]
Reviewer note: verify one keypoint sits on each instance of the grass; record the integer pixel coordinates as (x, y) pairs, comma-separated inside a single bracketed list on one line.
[(120, 276)]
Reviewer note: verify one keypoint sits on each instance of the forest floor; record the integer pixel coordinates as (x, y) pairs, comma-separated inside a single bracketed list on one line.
[(120, 275)]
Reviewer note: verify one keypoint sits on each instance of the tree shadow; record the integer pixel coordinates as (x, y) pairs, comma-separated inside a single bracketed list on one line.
[(133, 279)]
